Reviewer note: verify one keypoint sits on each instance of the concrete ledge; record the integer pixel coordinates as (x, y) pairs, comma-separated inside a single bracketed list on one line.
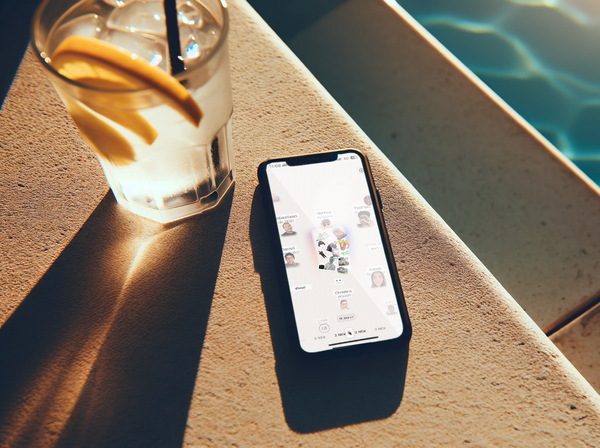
[(580, 343), (115, 344), (527, 212), (49, 182)]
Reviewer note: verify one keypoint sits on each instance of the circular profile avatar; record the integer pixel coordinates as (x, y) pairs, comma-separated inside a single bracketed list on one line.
[(364, 216), (368, 200), (391, 309), (377, 279), (325, 224), (344, 304), (290, 260), (288, 229)]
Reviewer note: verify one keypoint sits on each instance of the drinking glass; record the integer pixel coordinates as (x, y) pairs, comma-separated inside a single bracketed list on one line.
[(157, 163)]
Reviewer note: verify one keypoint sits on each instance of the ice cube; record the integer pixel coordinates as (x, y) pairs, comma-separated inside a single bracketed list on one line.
[(90, 25), (151, 48), (196, 44), (188, 14), (139, 16), (190, 50), (208, 36)]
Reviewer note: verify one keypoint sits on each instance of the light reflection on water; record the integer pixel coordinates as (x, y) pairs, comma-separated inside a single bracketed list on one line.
[(541, 56)]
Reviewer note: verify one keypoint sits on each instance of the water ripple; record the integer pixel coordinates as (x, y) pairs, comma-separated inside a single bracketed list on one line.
[(541, 56)]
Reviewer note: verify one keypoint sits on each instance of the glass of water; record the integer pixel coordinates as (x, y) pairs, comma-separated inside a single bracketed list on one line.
[(163, 140)]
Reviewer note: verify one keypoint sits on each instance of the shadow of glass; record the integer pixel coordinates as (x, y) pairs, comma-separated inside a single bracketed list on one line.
[(105, 349), (322, 395)]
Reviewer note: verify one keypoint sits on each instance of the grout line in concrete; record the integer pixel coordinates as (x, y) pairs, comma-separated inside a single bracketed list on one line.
[(572, 315)]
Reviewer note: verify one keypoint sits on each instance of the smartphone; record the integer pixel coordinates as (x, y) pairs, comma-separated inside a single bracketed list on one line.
[(339, 282)]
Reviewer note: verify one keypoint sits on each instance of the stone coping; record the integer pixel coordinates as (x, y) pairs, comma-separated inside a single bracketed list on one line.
[(524, 209), (579, 341), (137, 334)]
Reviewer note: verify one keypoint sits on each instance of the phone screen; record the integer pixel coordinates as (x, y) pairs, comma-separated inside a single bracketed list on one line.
[(336, 264)]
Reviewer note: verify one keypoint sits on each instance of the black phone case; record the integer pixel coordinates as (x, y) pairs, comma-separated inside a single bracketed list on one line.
[(344, 351)]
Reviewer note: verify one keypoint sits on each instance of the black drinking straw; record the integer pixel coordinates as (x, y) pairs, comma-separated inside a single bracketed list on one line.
[(173, 37)]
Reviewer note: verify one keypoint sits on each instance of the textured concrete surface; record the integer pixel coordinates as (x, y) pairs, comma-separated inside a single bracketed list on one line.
[(143, 335), (580, 343), (518, 204), (49, 182)]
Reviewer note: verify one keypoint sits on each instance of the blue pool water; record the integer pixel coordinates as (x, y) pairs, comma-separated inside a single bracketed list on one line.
[(541, 56)]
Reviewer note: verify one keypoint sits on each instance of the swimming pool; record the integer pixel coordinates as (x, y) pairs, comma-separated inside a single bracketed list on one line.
[(541, 56)]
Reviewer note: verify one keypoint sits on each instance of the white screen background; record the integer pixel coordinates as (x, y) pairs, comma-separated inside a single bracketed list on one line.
[(303, 196)]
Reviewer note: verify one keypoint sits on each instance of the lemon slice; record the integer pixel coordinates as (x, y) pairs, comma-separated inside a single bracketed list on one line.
[(104, 140), (101, 64), (128, 119)]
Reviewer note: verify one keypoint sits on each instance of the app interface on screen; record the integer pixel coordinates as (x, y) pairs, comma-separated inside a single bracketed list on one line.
[(333, 254)]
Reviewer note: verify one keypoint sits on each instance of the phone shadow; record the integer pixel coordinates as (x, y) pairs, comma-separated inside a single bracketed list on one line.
[(322, 395), (104, 351)]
